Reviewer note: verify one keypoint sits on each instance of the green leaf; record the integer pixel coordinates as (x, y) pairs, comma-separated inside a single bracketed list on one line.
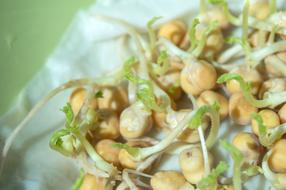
[(237, 157), (152, 34), (144, 87), (99, 94), (127, 69), (146, 95), (200, 44), (192, 33), (64, 147), (235, 153), (152, 21), (262, 128), (210, 181), (67, 109), (163, 56), (252, 171), (133, 151), (196, 121), (162, 65), (245, 86), (79, 180), (217, 2)]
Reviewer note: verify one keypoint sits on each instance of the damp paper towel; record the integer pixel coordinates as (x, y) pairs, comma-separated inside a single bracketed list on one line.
[(91, 47)]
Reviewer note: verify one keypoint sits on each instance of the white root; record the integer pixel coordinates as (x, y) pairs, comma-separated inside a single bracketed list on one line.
[(147, 162), (37, 107), (277, 64), (128, 181)]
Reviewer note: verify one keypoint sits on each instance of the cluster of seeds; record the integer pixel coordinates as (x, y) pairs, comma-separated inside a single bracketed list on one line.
[(187, 77)]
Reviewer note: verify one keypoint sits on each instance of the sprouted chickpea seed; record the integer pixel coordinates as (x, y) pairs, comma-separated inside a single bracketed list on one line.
[(112, 122)]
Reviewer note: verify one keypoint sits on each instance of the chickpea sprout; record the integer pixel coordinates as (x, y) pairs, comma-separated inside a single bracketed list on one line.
[(168, 180), (192, 164), (135, 121), (249, 146), (277, 160), (270, 120), (191, 81), (210, 97), (108, 152), (240, 109), (174, 31)]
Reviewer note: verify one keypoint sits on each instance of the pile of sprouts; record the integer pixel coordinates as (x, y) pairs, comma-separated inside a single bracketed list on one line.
[(186, 77)]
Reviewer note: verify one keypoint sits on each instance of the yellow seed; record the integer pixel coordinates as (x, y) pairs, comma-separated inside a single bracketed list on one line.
[(240, 109), (192, 164), (167, 180), (77, 99), (109, 153), (174, 31), (272, 85), (209, 97), (215, 40), (215, 14), (249, 146), (270, 120), (282, 114), (277, 160), (197, 77), (259, 9), (91, 182), (108, 127), (249, 75)]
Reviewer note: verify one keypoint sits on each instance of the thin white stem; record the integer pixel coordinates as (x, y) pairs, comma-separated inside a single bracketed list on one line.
[(231, 53), (204, 150)]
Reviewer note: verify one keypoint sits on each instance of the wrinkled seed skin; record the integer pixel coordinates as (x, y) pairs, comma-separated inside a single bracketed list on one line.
[(277, 160), (167, 180), (270, 120), (174, 31), (249, 146), (240, 110), (109, 153), (91, 182)]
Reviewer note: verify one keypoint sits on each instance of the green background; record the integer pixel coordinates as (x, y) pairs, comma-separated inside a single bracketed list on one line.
[(29, 31)]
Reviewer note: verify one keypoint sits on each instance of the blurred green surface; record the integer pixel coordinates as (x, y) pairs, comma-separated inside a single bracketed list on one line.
[(29, 31)]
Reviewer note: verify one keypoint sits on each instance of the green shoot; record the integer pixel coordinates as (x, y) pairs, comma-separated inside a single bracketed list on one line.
[(133, 151), (145, 91), (162, 65), (127, 69), (245, 21), (151, 32), (223, 3), (210, 182), (146, 95), (67, 109), (79, 180), (251, 171), (273, 99), (143, 153), (243, 43), (273, 32), (237, 157), (202, 7), (65, 146), (277, 179), (268, 136), (273, 6), (192, 34), (99, 94), (201, 43), (196, 121)]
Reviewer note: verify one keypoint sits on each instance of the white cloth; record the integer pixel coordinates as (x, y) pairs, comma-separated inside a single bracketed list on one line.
[(88, 49)]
